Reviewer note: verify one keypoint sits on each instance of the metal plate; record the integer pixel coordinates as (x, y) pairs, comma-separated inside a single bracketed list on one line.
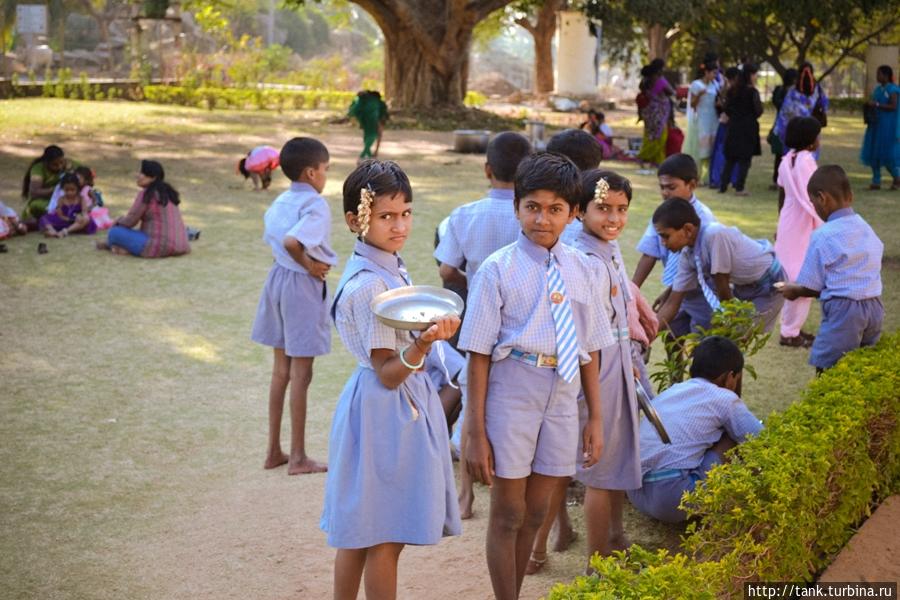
[(650, 412), (415, 307)]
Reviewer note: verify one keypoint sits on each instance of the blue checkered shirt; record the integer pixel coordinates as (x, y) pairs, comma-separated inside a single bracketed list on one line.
[(723, 250), (651, 245), (509, 306), (477, 230), (357, 325), (843, 259), (304, 215), (695, 414)]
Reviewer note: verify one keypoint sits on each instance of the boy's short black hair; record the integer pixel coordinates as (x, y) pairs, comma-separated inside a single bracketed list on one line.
[(549, 171), (714, 356), (582, 148), (680, 166), (299, 153), (589, 180), (801, 132), (504, 154), (675, 213), (830, 179), (381, 176)]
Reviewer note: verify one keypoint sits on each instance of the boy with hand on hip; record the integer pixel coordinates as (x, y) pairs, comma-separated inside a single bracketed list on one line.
[(292, 316), (533, 332), (720, 261), (842, 268), (704, 417)]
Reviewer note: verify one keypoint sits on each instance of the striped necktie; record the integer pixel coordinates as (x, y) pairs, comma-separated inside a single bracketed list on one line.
[(401, 266), (711, 298), (566, 337), (670, 268)]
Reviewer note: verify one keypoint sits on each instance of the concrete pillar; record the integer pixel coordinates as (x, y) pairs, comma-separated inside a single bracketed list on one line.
[(576, 49), (877, 56)]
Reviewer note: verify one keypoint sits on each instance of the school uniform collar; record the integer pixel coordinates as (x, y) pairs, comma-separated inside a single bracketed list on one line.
[(538, 253), (302, 186), (594, 245), (841, 212), (388, 261), (501, 194)]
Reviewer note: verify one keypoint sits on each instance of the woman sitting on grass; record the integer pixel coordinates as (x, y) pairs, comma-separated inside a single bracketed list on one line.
[(162, 231), (40, 180)]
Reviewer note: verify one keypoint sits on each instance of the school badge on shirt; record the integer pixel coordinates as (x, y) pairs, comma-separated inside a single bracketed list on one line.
[(614, 291), (556, 298)]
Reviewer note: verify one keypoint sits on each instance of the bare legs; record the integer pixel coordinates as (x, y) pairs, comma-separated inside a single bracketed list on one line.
[(379, 563), (296, 371), (518, 507), (603, 522), (565, 535), (466, 496)]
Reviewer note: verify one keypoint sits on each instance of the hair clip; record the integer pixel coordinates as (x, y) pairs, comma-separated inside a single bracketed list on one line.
[(601, 190), (364, 208)]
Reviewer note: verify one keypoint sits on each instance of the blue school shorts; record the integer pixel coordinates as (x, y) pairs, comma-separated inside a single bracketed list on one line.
[(846, 325), (660, 499)]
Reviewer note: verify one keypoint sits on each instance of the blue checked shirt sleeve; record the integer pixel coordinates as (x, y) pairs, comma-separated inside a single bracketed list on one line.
[(449, 250), (812, 273), (481, 327), (738, 421), (599, 333), (721, 249), (313, 230), (650, 243), (376, 335)]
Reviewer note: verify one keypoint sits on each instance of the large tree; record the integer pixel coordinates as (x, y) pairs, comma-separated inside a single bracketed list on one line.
[(780, 32), (538, 17), (427, 47)]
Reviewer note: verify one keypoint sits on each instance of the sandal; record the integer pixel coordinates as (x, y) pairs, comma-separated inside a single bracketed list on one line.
[(808, 339), (793, 342), (535, 564), (874, 186)]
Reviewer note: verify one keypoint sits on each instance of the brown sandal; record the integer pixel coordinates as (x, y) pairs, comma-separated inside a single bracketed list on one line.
[(792, 342), (535, 564)]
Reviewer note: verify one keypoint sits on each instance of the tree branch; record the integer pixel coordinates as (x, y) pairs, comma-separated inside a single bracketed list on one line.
[(846, 51), (526, 24)]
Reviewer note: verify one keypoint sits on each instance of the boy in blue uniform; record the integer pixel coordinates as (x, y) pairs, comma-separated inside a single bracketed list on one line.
[(704, 417), (678, 178), (292, 316), (533, 331), (842, 268), (720, 261)]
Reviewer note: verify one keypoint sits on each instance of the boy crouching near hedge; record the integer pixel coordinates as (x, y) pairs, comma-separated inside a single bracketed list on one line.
[(704, 417), (842, 268)]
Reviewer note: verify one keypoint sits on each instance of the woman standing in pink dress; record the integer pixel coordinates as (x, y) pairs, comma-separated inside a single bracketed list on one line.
[(797, 219)]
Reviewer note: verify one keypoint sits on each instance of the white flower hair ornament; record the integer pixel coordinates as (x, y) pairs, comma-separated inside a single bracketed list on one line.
[(364, 209), (601, 190)]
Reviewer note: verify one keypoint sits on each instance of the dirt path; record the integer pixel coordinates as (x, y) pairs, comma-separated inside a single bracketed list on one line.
[(871, 554)]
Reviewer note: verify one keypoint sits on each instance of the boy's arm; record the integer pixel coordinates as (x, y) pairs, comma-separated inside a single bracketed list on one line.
[(592, 435), (452, 276), (792, 291), (644, 267), (669, 309), (296, 250), (479, 456), (723, 286)]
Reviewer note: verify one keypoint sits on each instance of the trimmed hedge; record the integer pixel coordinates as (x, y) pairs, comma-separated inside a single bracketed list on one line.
[(217, 97), (788, 500)]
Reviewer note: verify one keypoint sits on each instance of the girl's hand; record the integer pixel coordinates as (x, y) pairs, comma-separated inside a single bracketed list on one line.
[(592, 438), (480, 459), (443, 328)]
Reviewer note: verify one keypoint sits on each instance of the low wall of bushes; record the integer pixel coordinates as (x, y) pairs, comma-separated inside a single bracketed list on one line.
[(789, 499)]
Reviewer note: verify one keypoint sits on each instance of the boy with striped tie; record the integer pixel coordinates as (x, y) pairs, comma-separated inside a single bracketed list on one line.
[(842, 268), (721, 261), (533, 332)]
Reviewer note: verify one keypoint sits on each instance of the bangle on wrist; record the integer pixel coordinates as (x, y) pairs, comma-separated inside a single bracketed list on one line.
[(409, 366)]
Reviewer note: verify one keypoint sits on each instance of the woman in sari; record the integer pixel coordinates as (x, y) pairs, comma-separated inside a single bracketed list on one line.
[(881, 144), (703, 120), (655, 113)]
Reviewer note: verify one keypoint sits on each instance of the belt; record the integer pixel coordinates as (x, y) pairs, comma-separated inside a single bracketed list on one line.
[(535, 360), (622, 334), (662, 475)]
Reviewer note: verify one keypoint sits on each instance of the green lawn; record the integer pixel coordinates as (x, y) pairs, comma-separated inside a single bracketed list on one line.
[(132, 397)]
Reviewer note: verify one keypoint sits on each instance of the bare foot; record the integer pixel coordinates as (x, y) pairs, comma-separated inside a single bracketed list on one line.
[(275, 460), (101, 245), (536, 562), (618, 541), (564, 539), (305, 466), (465, 505), (119, 250)]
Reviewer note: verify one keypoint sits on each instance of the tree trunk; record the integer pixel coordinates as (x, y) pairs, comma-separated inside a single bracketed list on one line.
[(427, 48), (660, 40), (542, 31)]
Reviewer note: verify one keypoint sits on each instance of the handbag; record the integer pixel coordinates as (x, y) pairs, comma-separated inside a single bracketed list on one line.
[(818, 111), (869, 114)]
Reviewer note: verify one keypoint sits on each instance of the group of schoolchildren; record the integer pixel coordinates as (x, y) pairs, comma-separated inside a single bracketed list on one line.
[(552, 335)]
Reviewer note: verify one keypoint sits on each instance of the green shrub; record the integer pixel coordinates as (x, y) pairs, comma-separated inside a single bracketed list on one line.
[(474, 99), (787, 501), (241, 98)]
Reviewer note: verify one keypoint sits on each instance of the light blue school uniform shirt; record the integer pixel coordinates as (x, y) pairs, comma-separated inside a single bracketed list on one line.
[(478, 229), (509, 304), (304, 215), (651, 245), (695, 413), (723, 250), (843, 259)]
